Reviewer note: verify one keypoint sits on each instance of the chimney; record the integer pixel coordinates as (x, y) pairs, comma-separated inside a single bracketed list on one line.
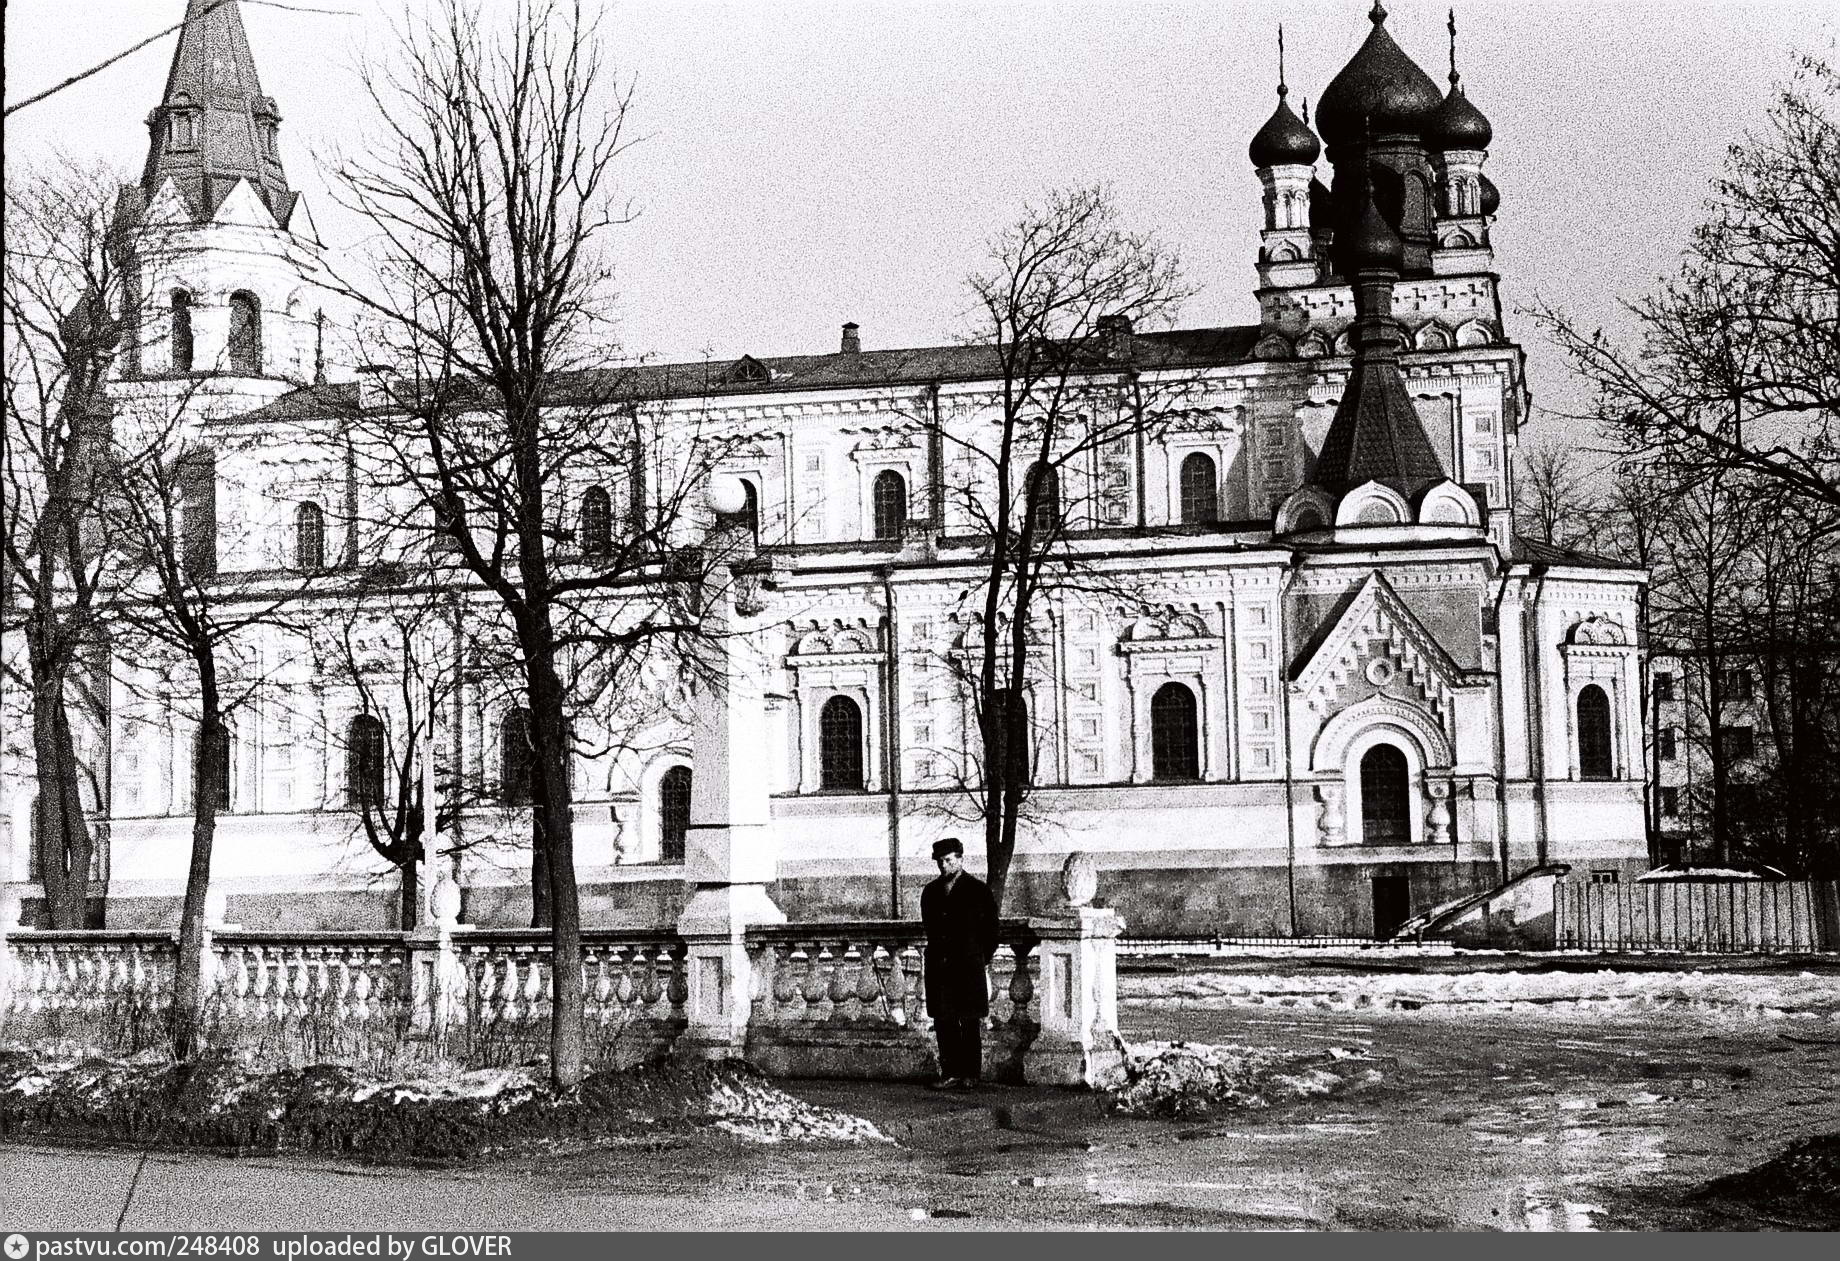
[(378, 386), (852, 340), (1114, 336)]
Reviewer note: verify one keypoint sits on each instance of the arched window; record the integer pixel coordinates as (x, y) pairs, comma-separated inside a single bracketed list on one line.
[(181, 331), (1175, 745), (309, 537), (673, 813), (1043, 488), (890, 495), (245, 334), (596, 522), (752, 509), (514, 760), (1385, 797), (1200, 490), (840, 740), (197, 478), (364, 762), (213, 779), (1594, 756)]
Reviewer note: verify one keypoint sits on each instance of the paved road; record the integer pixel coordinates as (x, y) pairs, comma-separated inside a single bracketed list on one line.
[(1485, 1121)]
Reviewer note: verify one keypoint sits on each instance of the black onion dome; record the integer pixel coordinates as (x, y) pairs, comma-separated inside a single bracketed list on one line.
[(1491, 196), (1370, 244), (1381, 91), (1457, 124), (1284, 140)]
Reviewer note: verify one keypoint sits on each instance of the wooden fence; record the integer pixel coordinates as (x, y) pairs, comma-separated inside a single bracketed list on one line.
[(1711, 917)]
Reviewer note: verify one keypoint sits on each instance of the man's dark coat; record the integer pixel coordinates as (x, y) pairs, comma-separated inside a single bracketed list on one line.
[(961, 936)]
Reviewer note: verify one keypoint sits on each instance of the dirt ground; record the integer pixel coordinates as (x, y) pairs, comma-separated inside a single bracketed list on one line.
[(1505, 1121), (1480, 1120)]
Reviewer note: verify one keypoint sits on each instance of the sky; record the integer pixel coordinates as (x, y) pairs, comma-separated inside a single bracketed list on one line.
[(804, 163)]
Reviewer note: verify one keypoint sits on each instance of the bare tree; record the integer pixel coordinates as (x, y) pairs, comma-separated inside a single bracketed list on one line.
[(510, 433), (1737, 359), (195, 630), (1554, 501), (63, 330), (1058, 307)]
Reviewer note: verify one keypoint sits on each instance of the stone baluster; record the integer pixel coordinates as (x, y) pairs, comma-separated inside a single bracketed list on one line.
[(784, 983)]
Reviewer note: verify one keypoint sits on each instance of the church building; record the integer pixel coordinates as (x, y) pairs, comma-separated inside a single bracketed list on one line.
[(1346, 692)]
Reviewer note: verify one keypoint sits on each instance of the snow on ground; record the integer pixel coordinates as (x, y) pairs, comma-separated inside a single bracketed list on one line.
[(1186, 1079), (1803, 996)]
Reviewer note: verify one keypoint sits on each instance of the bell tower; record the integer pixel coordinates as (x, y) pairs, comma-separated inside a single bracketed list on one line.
[(223, 257)]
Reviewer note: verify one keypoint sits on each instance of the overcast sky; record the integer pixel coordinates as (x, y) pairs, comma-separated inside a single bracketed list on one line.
[(810, 163)]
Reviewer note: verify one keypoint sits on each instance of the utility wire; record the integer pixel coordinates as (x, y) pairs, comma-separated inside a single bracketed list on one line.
[(104, 65)]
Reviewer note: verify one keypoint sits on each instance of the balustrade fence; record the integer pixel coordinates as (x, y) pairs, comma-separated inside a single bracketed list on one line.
[(836, 999)]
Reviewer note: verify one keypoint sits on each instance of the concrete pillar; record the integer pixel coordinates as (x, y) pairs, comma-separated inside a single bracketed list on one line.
[(435, 981), (729, 856), (1078, 1043), (9, 924)]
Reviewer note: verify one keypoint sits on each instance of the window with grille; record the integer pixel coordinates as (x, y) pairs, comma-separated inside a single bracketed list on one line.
[(1386, 798), (840, 741), (1175, 746), (214, 780), (1200, 490), (309, 537), (1738, 685), (890, 495), (245, 334), (1043, 489), (1595, 760), (596, 522), (673, 813), (182, 332), (1664, 687), (514, 757), (1014, 703), (365, 742)]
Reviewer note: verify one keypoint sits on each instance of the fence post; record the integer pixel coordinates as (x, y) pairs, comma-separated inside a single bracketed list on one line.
[(1078, 1042), (9, 923)]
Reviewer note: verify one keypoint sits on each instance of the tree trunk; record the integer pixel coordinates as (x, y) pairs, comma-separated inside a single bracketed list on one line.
[(60, 830), (188, 982), (411, 895), (552, 807)]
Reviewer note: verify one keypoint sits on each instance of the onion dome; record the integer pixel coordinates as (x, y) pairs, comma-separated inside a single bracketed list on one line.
[(1381, 91), (1456, 124), (1284, 140), (1370, 244), (1491, 196)]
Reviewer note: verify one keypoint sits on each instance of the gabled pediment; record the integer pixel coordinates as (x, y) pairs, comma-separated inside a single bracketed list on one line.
[(244, 208), (1379, 638), (168, 205)]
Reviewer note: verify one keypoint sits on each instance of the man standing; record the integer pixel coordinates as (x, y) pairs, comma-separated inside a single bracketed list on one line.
[(960, 919)]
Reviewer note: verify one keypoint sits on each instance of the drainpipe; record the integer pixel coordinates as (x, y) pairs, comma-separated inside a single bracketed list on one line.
[(1501, 741), (1137, 430), (935, 458), (1284, 693), (1531, 658), (891, 739)]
